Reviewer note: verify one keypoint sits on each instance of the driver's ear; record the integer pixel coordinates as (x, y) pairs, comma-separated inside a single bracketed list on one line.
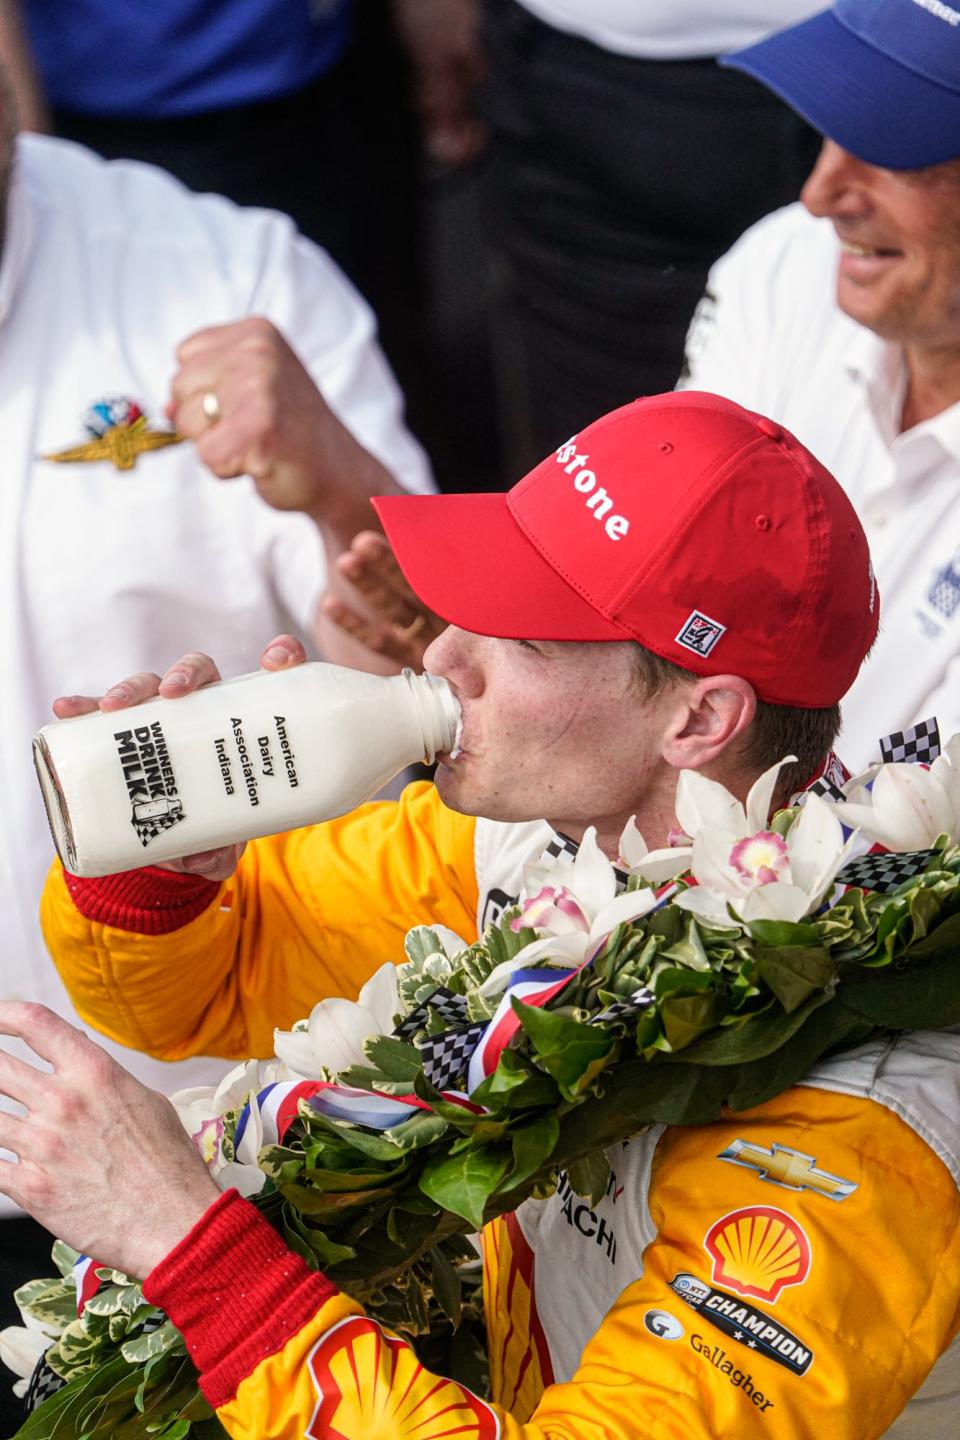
[(706, 719)]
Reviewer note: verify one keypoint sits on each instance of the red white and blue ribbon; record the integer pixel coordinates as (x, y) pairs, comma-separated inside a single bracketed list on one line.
[(279, 1105), (86, 1279), (533, 987)]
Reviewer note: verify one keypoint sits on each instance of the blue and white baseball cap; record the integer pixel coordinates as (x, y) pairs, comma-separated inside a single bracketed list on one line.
[(881, 78)]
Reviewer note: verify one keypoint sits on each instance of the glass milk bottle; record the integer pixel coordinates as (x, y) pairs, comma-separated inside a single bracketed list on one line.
[(250, 756)]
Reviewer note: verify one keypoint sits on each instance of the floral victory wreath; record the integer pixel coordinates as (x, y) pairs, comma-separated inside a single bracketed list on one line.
[(708, 975)]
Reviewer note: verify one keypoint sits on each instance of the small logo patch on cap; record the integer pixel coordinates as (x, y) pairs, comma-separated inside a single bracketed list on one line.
[(700, 633)]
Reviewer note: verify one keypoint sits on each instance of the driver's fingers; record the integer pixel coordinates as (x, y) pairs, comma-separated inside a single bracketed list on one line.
[(188, 673), (131, 691), (283, 651), (65, 707)]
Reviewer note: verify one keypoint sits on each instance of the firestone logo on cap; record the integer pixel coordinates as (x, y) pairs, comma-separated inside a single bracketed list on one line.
[(595, 496)]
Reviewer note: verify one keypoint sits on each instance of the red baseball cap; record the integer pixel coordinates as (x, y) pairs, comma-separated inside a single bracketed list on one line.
[(705, 532)]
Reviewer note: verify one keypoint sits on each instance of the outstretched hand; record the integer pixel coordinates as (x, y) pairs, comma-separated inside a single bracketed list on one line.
[(184, 676), (104, 1162), (393, 622)]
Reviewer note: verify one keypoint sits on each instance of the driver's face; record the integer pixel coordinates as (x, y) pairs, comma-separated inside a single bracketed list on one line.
[(550, 730)]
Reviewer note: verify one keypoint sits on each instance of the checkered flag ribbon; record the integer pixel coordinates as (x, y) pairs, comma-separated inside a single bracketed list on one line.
[(622, 1009), (825, 787), (446, 1056), (450, 1007), (920, 745), (44, 1382), (884, 872)]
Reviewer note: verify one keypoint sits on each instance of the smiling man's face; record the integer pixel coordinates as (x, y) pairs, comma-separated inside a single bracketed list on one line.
[(899, 233)]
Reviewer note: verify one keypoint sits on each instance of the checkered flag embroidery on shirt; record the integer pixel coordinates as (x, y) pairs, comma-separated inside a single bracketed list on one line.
[(44, 1382), (450, 1007), (641, 999), (884, 872), (446, 1056), (920, 745)]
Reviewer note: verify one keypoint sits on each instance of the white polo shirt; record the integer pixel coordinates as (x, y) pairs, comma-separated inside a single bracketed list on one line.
[(671, 29), (769, 335), (105, 269)]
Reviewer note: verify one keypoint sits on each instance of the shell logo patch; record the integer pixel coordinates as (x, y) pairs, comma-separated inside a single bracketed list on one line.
[(373, 1387), (758, 1251)]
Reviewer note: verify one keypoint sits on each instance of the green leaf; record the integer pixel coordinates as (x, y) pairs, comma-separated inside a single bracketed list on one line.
[(686, 1017), (795, 972), (395, 1058), (750, 1039), (177, 1430), (328, 1205), (319, 1251), (446, 1285), (533, 1144), (464, 1183), (824, 1028), (689, 950), (590, 1176), (421, 943), (920, 995), (775, 933), (345, 1179), (573, 1053), (60, 1413), (154, 1343), (64, 1257), (420, 1130), (515, 1084), (374, 1147)]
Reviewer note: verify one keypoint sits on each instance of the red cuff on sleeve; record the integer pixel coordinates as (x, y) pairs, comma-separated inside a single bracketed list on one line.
[(236, 1293), (148, 902)]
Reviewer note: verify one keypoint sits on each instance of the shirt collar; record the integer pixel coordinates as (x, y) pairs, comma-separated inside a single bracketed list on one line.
[(877, 366)]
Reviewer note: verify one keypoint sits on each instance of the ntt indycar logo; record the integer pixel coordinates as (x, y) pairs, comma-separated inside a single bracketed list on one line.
[(744, 1323), (595, 497)]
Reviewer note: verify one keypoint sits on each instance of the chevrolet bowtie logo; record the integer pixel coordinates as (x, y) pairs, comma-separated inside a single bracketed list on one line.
[(789, 1168)]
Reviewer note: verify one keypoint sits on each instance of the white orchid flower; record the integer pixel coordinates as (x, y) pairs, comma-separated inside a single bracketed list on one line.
[(704, 804), (657, 866), (20, 1348), (332, 1038), (576, 904), (201, 1110), (766, 876), (908, 807)]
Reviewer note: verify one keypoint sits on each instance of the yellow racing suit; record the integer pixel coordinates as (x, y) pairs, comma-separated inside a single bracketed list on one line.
[(792, 1271)]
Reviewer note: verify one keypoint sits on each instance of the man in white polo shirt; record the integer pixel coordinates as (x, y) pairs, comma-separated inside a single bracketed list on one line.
[(118, 546), (842, 320)]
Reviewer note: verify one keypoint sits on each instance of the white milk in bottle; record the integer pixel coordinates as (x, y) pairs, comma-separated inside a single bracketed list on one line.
[(250, 756)]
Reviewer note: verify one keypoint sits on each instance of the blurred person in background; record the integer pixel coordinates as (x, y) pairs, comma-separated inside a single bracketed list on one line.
[(841, 319), (302, 106), (127, 306), (624, 162)]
